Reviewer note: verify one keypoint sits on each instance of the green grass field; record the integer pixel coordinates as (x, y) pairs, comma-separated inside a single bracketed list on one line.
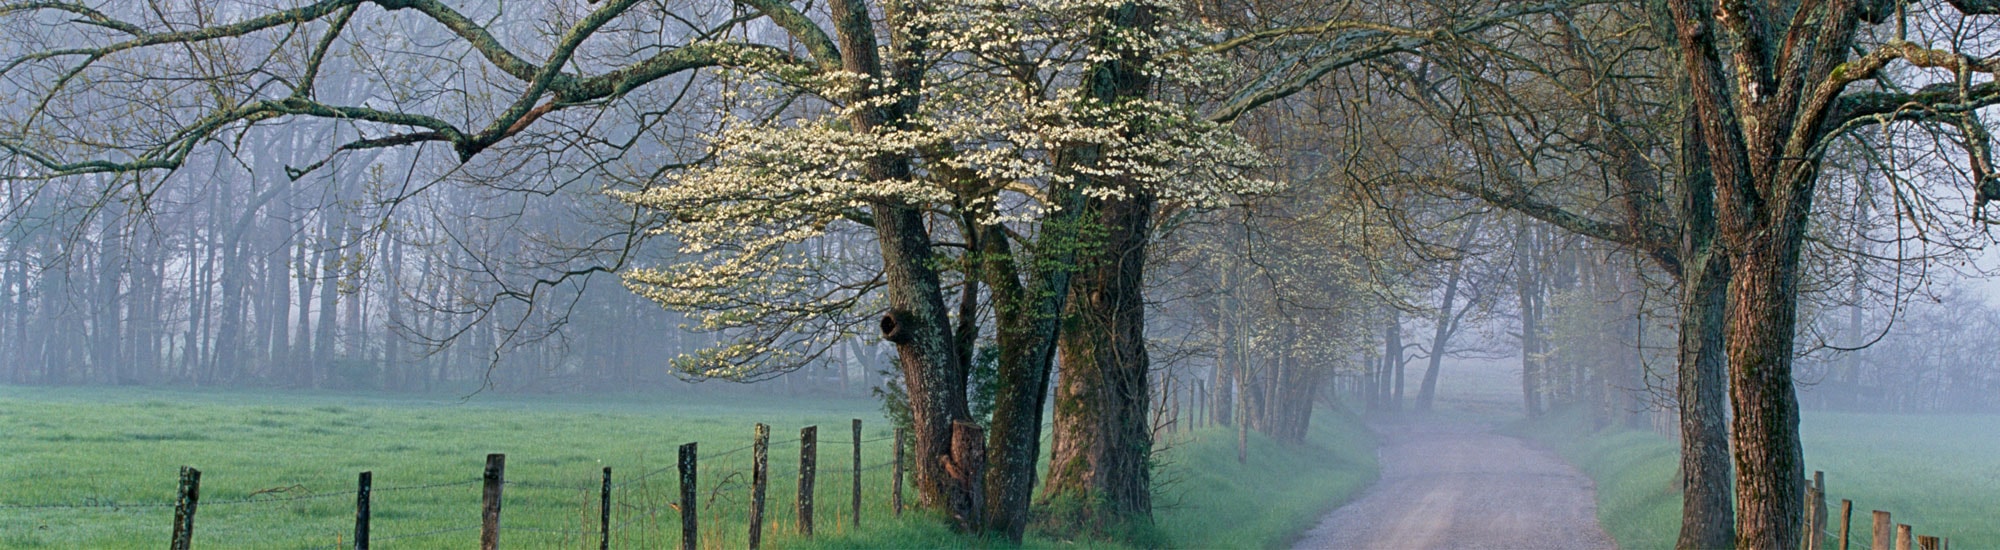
[(115, 452), (1938, 473)]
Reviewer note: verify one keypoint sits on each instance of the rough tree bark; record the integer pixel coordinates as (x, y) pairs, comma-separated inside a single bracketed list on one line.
[(917, 322), (1101, 443), (1707, 512), (1026, 320)]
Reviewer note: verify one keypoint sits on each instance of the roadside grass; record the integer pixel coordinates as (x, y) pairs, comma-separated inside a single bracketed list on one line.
[(1937, 473), (1633, 470), (1210, 501), (116, 451), (1204, 497)]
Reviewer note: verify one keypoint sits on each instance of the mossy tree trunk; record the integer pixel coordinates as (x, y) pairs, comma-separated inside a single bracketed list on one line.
[(1100, 476)]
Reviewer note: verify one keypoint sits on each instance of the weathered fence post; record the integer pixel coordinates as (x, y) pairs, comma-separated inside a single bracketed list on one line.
[(896, 487), (366, 483), (1902, 536), (190, 494), (808, 458), (1846, 520), (1927, 542), (1880, 537), (1815, 528), (857, 472), (1820, 512), (759, 476), (690, 526), (489, 516), (1806, 534), (604, 512)]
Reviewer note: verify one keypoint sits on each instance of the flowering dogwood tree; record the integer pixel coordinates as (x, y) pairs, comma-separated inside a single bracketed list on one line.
[(1043, 133)]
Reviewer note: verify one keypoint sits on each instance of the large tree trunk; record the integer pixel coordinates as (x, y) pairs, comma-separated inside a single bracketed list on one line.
[(917, 321), (1027, 319), (1708, 515), (919, 327), (1769, 460), (1102, 443)]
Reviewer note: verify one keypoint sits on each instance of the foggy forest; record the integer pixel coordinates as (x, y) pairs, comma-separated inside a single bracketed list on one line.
[(1514, 274)]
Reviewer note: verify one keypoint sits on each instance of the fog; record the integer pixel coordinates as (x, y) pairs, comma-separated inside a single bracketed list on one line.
[(1064, 254)]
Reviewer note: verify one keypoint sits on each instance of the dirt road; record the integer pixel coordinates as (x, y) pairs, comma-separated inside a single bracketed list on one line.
[(1457, 485)]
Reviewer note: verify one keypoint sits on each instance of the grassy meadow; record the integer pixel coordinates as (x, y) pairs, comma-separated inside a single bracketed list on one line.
[(1938, 473), (115, 453)]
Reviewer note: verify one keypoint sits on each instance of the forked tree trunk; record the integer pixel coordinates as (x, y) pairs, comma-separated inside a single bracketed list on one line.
[(917, 322), (1447, 323), (1026, 320)]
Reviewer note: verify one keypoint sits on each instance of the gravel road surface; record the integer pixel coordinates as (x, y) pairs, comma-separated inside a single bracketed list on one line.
[(1456, 485)]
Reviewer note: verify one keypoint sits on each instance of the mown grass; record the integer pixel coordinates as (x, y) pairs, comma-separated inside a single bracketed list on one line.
[(1637, 503), (1938, 473), (122, 447), (1211, 501)]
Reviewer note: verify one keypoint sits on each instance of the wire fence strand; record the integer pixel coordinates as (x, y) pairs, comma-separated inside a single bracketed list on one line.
[(723, 481)]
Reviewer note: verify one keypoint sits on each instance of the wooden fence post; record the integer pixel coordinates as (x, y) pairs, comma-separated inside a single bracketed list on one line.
[(1820, 512), (1815, 513), (857, 473), (759, 476), (1927, 542), (489, 517), (1880, 537), (1902, 536), (190, 494), (604, 512), (896, 487), (1846, 520), (808, 458), (690, 521), (366, 483)]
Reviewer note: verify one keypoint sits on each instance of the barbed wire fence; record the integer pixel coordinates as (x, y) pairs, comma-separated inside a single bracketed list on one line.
[(700, 494)]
